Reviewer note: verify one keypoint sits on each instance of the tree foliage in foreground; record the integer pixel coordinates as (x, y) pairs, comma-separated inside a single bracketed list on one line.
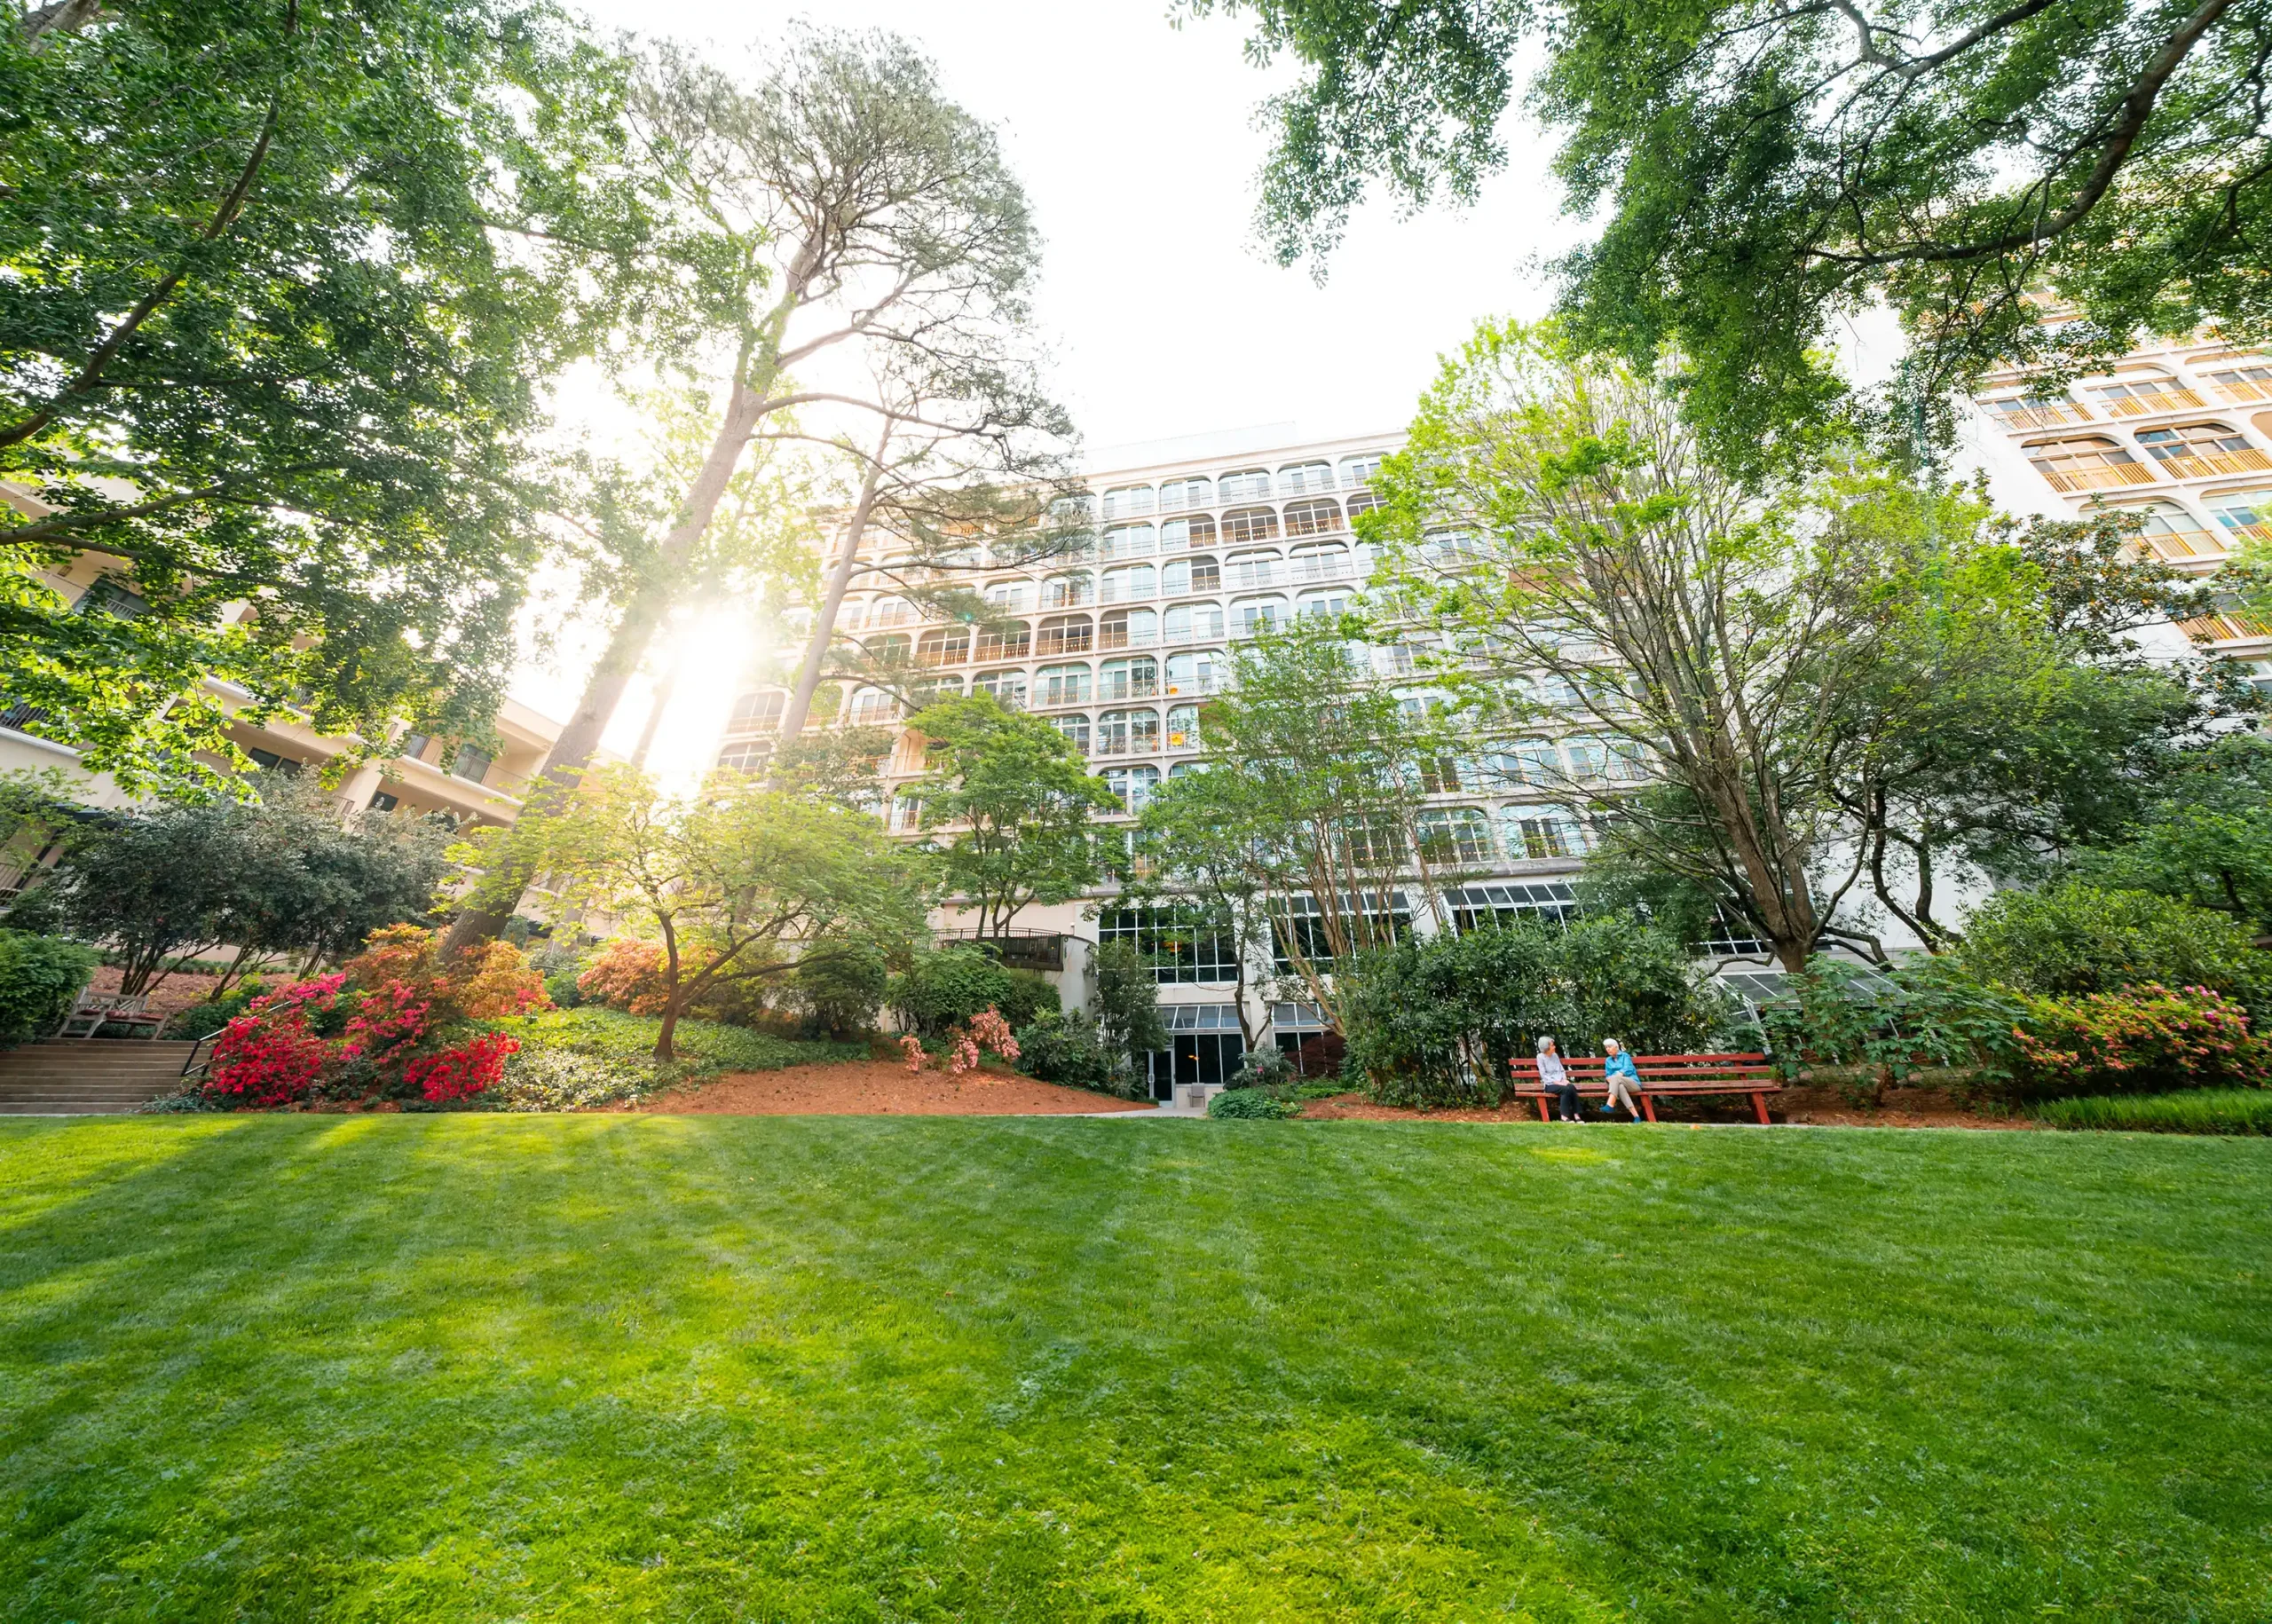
[(1764, 168), (279, 281)]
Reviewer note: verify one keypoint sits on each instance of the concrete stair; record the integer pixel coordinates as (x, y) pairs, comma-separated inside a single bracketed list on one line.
[(78, 1076)]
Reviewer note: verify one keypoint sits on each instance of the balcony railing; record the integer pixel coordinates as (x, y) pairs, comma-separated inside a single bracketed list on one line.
[(2215, 462), (1126, 687), (2177, 545), (2044, 415), (1127, 591), (1246, 576), (1076, 640), (2146, 405), (2105, 477), (1309, 569), (1192, 687), (2228, 625), (1113, 548), (1121, 637), (2241, 391)]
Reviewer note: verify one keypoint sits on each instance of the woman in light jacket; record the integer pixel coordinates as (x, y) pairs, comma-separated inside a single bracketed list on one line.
[(1618, 1072), (1554, 1077)]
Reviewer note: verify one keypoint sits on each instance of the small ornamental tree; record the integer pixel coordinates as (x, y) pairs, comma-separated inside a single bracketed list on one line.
[(1006, 805), (740, 885)]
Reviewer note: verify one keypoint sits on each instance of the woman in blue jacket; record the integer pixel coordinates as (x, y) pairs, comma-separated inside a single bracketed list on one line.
[(1618, 1072)]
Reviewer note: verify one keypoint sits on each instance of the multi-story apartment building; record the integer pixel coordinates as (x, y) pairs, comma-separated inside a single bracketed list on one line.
[(2179, 433), (1118, 647)]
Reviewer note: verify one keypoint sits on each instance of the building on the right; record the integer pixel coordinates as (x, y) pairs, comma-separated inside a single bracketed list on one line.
[(2178, 433)]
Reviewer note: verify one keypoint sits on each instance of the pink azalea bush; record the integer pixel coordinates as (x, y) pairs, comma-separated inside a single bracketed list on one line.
[(985, 1031)]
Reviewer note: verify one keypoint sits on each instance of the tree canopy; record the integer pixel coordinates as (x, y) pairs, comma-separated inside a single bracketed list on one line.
[(280, 282), (1762, 168)]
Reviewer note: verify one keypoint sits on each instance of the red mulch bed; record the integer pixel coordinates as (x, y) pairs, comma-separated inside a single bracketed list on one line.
[(178, 991), (1819, 1107), (879, 1088)]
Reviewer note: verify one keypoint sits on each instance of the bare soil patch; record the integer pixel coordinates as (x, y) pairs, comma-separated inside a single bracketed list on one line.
[(879, 1088)]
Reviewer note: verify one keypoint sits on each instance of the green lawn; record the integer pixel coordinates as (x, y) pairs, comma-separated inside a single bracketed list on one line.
[(472, 1367)]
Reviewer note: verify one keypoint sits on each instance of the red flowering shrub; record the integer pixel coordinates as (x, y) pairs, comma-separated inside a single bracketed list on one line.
[(268, 1056), (390, 1022), (626, 975), (2142, 1039), (471, 1068), (484, 984)]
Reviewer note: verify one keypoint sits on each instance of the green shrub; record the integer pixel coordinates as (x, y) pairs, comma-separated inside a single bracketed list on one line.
[(1030, 997), (1263, 1068), (2076, 939), (1059, 1048), (1127, 1010), (2201, 1110), (2139, 1040), (948, 986), (1249, 1104), (840, 992), (1433, 1022), (1892, 1023), (560, 987), (41, 978), (202, 1019)]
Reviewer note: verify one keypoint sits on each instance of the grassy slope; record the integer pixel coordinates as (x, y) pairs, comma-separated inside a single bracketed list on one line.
[(465, 1367)]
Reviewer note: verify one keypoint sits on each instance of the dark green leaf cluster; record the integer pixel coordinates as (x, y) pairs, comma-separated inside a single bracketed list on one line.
[(40, 978)]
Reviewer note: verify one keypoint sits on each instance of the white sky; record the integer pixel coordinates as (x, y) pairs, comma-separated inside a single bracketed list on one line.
[(1137, 144)]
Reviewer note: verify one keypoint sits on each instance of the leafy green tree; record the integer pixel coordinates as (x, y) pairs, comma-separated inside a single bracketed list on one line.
[(280, 393), (2206, 841), (841, 205), (41, 978), (1127, 1000), (1202, 849), (743, 886), (1555, 519), (1325, 772), (156, 883), (1005, 802), (1762, 169)]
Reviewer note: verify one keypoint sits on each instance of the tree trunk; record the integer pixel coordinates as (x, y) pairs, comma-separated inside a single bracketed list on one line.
[(839, 579), (664, 691)]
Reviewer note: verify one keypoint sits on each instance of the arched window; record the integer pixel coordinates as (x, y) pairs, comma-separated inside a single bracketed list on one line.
[(1359, 470), (2136, 394), (1007, 687), (1133, 785), (1130, 583), (1130, 542), (2244, 514), (873, 707), (1451, 549), (2195, 451), (1128, 733), (2167, 530), (1199, 672), (1249, 525), (893, 612), (930, 691), (746, 757), (757, 712), (1064, 684), (1011, 641), (1122, 501), (2087, 463), (1075, 508), (1197, 491), (1127, 628), (1076, 730), (1329, 603), (1011, 597), (850, 617), (1195, 622), (906, 813), (1454, 834), (1363, 501), (1183, 575), (943, 645), (890, 650), (1320, 561), (1304, 478), (1253, 615), (1314, 516), (2238, 377), (1184, 770), (1177, 534), (1065, 635), (1069, 591), (1248, 571), (1533, 761), (1183, 726), (1137, 677), (1245, 485)]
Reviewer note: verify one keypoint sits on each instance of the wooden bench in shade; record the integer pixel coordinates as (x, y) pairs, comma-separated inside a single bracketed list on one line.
[(1662, 1076)]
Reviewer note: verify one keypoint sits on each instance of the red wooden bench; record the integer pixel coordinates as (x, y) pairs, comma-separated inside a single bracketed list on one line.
[(1661, 1076)]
